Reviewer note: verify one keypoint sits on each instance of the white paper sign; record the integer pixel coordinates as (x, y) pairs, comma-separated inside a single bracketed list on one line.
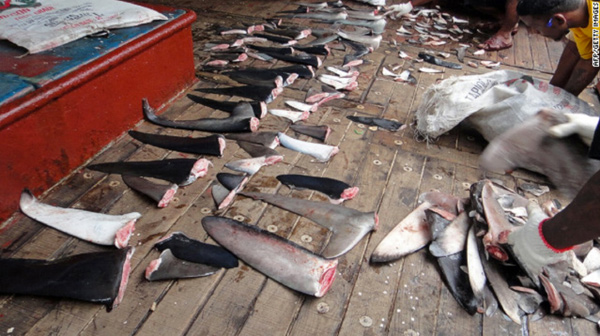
[(57, 22)]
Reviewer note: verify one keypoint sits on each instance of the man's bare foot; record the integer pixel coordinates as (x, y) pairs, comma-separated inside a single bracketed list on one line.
[(497, 42)]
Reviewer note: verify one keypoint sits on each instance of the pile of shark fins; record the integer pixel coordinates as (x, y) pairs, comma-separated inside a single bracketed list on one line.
[(468, 238)]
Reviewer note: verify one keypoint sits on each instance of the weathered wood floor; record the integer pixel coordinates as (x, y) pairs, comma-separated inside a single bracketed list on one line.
[(406, 297)]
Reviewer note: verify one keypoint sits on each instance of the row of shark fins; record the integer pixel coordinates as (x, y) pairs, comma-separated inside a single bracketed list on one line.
[(469, 239), (102, 276)]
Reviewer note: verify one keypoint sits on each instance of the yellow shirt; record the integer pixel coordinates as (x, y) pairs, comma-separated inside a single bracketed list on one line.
[(583, 36)]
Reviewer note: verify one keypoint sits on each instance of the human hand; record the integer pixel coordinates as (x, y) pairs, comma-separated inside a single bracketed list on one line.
[(529, 247), (579, 123)]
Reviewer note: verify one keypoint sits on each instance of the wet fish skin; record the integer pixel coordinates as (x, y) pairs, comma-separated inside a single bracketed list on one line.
[(317, 132), (476, 273), (232, 181), (178, 171), (188, 249), (251, 166), (161, 193), (437, 221), (222, 196), (409, 235), (387, 124), (452, 238), (376, 26), (302, 106), (321, 41), (272, 79), (293, 116), (257, 150), (305, 59), (434, 60), (498, 226), (98, 277), (320, 152), (256, 93), (315, 50), (371, 41), (336, 190), (303, 71), (210, 145), (348, 226), (275, 257), (508, 299), (169, 267), (283, 51), (241, 120), (360, 50), (445, 201), (268, 139), (277, 39), (457, 281), (259, 108), (293, 32), (97, 228)]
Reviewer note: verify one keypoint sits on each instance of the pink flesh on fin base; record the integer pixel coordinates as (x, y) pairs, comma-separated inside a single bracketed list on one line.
[(124, 233), (326, 280), (222, 145), (124, 278), (152, 267), (200, 168), (349, 193), (254, 124), (167, 197)]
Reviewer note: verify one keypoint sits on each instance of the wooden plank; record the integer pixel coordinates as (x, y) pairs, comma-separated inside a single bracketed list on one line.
[(523, 55), (539, 52), (178, 301), (275, 302), (372, 182), (16, 232), (73, 317), (420, 282), (551, 325), (452, 318), (371, 304), (157, 224), (284, 221)]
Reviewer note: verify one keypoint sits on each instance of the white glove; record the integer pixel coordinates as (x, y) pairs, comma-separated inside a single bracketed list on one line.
[(582, 124), (399, 9), (529, 249)]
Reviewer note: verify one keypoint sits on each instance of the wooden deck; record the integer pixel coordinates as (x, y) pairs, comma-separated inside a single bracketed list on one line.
[(406, 297)]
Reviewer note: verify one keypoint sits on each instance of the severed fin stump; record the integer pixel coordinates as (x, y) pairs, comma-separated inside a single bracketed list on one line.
[(189, 249), (94, 227), (178, 171), (168, 267), (279, 259), (99, 277), (257, 150), (336, 190), (317, 132), (210, 145), (161, 193)]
